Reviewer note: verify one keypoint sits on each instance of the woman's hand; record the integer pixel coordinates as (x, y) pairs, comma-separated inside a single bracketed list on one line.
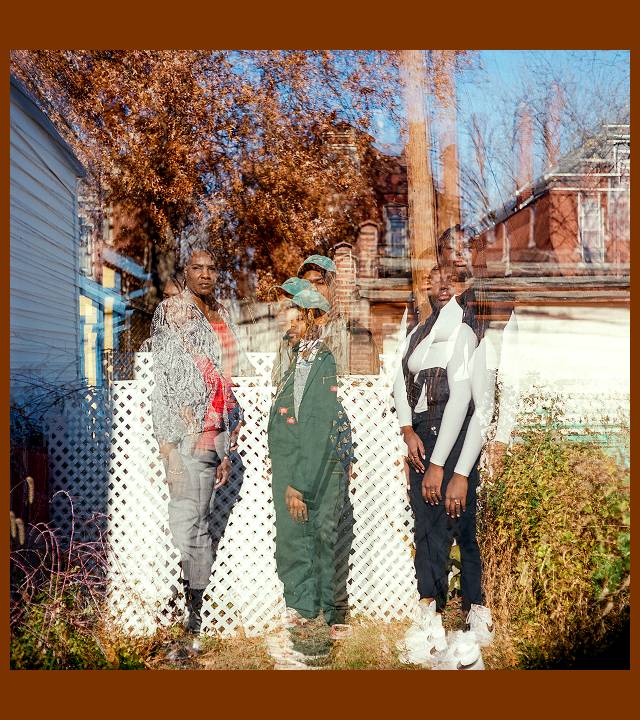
[(432, 484), (233, 438), (456, 495), (165, 450), (415, 448), (222, 472), (174, 469), (295, 505)]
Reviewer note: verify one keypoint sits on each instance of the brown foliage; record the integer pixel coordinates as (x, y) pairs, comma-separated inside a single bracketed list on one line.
[(235, 143), (264, 153)]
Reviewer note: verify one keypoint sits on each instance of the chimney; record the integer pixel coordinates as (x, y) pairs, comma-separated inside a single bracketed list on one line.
[(525, 147), (367, 249), (551, 132), (346, 277)]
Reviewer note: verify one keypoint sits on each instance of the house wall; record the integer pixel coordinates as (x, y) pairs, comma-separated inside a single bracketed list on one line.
[(541, 234), (547, 231), (563, 228), (43, 258)]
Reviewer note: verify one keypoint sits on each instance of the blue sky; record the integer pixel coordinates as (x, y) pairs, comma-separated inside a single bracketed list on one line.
[(596, 83)]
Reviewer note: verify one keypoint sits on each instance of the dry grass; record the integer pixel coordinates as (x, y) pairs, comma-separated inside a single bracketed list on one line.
[(239, 653), (371, 647)]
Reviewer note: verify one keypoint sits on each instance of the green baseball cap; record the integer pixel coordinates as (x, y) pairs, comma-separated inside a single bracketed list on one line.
[(294, 285), (311, 298), (321, 261)]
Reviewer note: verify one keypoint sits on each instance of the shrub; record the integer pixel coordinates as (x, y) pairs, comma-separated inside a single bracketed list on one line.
[(58, 613), (554, 534)]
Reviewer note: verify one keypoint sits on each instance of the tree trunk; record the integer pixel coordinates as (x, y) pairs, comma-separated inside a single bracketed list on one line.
[(422, 215), (449, 208)]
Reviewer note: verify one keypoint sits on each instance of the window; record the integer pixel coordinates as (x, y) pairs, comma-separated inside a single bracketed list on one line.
[(395, 220), (86, 245), (591, 229), (622, 154), (619, 225)]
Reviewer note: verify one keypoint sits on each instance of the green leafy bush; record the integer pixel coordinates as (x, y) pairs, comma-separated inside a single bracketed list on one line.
[(68, 634), (554, 534)]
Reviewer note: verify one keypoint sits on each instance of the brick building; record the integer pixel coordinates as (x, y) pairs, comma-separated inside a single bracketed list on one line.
[(568, 231), (563, 238), (374, 270)]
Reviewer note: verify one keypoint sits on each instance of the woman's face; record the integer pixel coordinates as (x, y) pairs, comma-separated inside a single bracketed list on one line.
[(170, 289), (318, 280), (457, 254), (441, 284), (285, 312), (200, 274), (298, 325)]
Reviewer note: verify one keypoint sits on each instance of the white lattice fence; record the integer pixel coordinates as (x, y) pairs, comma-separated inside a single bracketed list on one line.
[(79, 442), (244, 591)]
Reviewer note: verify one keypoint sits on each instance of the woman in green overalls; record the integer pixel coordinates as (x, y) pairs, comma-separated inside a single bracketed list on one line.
[(311, 450)]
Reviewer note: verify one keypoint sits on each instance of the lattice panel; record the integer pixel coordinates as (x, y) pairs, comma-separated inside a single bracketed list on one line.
[(245, 593), (79, 439), (381, 575)]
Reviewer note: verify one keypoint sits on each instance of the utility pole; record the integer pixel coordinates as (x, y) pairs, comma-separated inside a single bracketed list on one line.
[(422, 215)]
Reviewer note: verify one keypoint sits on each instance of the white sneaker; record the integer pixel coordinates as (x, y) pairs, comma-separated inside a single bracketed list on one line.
[(424, 651), (463, 653), (480, 622), (418, 632), (423, 618), (425, 639), (281, 650), (437, 639)]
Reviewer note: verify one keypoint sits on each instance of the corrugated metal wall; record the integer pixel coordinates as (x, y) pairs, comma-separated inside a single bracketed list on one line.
[(44, 258)]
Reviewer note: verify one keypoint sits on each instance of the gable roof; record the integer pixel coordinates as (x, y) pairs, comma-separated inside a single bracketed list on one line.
[(595, 149), (21, 97)]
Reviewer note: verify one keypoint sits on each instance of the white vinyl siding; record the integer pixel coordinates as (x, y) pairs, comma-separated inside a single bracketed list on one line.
[(43, 258)]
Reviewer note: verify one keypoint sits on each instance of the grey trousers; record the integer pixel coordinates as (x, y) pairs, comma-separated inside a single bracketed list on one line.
[(191, 475)]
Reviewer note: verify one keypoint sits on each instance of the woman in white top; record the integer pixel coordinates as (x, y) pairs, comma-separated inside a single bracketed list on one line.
[(445, 399), (434, 404)]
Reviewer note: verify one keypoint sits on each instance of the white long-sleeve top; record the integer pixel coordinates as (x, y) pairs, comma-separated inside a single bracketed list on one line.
[(495, 358), (509, 379), (451, 345)]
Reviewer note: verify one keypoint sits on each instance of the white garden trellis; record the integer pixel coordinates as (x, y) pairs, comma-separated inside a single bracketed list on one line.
[(104, 454)]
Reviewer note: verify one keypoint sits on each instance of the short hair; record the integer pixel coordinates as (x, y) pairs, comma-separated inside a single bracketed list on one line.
[(327, 275), (197, 249)]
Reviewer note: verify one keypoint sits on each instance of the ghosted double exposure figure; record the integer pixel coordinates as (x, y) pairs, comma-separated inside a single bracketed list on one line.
[(340, 334), (311, 451), (287, 334), (445, 400)]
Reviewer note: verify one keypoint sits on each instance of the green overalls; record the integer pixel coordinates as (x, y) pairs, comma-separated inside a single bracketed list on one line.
[(305, 453)]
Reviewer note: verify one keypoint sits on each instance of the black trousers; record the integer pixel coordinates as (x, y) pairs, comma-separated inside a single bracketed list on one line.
[(434, 530)]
